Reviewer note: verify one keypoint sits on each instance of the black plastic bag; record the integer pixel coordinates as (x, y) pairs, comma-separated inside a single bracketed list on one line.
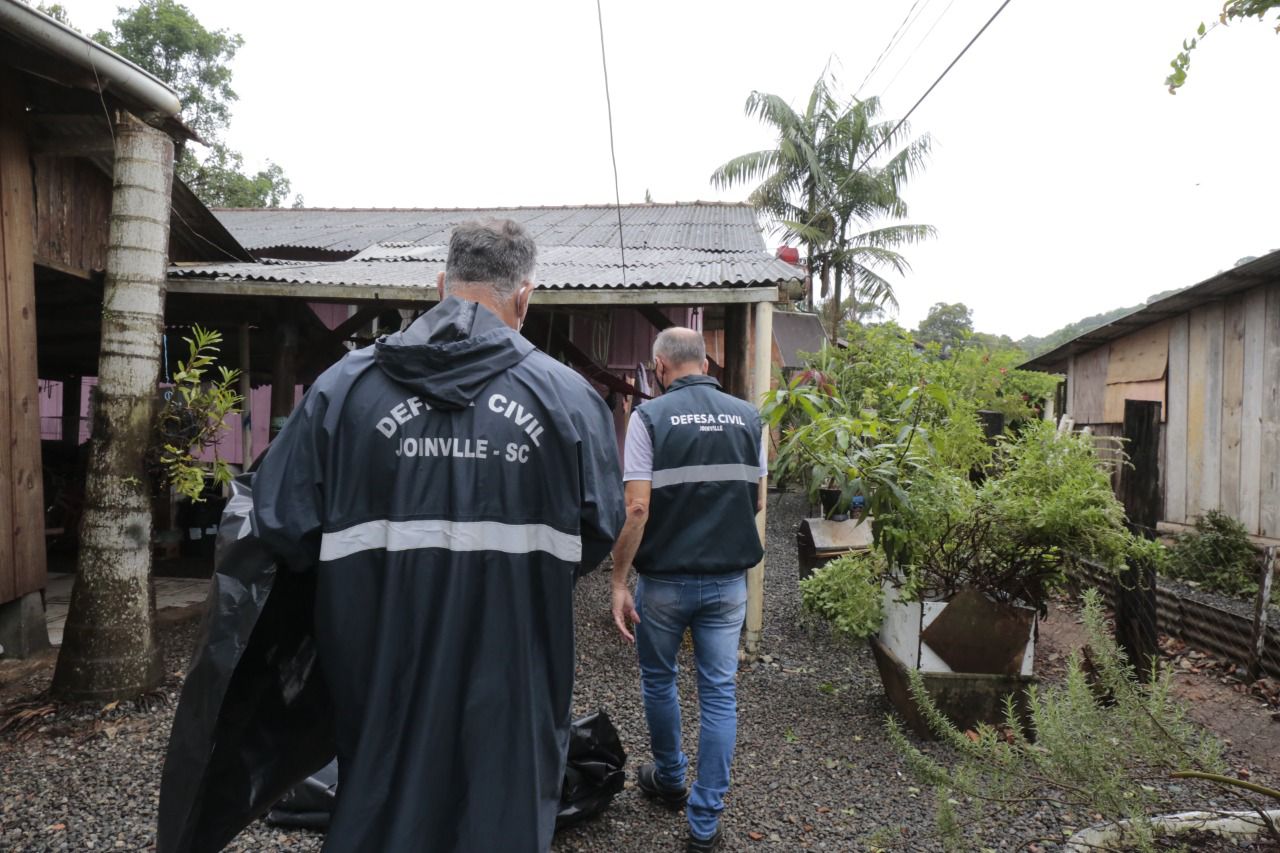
[(255, 716), (592, 777), (593, 774), (310, 804)]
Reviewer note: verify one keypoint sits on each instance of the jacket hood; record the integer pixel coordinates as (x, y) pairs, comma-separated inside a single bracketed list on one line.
[(451, 352)]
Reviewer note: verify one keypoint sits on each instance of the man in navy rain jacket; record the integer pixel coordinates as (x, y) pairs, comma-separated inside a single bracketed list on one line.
[(447, 486)]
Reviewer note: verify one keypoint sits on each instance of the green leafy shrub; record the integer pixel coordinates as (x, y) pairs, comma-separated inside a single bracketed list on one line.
[(194, 417), (1046, 500), (1092, 745), (1217, 556), (847, 593)]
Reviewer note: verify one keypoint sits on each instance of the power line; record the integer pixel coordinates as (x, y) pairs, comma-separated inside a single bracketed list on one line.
[(916, 49), (890, 135), (613, 154), (890, 45)]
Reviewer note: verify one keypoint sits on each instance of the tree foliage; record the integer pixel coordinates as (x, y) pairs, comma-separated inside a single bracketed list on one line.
[(164, 38), (814, 187), (1034, 346), (947, 324), (1232, 10)]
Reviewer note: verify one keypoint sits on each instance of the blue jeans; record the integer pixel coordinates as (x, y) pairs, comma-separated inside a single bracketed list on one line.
[(713, 606)]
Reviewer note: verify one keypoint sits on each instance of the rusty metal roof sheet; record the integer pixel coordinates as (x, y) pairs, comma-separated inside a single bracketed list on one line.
[(710, 226)]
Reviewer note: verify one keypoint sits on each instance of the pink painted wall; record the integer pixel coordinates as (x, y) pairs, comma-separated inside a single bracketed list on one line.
[(229, 448)]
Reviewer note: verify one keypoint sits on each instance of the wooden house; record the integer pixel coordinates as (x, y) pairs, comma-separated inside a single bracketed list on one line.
[(609, 280), (58, 93), (1210, 356)]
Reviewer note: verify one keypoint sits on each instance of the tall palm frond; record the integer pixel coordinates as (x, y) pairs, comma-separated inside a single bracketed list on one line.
[(834, 183)]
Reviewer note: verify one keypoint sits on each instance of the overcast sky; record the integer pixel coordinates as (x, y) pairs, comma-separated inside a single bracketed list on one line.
[(1064, 180)]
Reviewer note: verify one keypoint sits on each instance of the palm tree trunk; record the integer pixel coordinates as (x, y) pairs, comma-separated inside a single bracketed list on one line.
[(839, 312), (109, 648)]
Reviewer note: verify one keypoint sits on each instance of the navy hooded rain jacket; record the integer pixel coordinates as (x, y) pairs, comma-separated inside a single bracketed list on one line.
[(445, 486)]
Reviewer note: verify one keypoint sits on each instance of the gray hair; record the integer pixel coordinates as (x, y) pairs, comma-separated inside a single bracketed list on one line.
[(679, 346), (497, 253)]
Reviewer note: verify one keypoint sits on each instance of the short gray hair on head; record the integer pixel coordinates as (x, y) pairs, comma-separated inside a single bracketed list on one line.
[(679, 346), (497, 253)]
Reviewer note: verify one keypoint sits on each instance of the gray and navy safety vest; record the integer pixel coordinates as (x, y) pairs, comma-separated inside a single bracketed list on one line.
[(706, 479)]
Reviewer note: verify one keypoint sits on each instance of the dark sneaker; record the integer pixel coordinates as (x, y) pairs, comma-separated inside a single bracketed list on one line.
[(647, 779), (703, 845)]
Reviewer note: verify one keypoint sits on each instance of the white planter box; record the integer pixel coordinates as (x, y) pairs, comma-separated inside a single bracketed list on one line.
[(905, 621)]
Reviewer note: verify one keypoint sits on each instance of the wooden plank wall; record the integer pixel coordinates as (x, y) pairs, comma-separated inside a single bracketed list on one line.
[(1089, 386), (22, 555), (1175, 455), (73, 206), (1269, 391), (1223, 437)]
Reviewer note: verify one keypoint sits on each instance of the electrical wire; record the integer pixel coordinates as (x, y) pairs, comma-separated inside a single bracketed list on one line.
[(613, 154), (891, 134), (916, 49), (890, 45)]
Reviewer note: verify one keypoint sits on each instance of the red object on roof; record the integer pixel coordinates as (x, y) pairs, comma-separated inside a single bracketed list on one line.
[(790, 254)]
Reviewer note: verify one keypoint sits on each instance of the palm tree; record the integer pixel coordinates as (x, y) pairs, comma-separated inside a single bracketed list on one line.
[(788, 177), (819, 186)]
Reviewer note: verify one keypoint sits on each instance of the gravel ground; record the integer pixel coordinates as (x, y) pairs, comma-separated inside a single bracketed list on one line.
[(813, 768)]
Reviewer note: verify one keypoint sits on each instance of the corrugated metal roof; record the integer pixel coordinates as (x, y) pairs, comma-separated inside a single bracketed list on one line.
[(710, 226), (743, 271), (703, 244), (1263, 270)]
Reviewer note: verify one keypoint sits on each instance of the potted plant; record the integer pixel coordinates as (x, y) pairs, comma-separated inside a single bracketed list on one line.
[(970, 566), (980, 562)]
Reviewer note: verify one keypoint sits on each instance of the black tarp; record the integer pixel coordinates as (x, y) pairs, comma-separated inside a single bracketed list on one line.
[(254, 716)]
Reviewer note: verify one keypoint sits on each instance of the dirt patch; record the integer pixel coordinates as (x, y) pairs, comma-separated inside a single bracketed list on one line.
[(1215, 698)]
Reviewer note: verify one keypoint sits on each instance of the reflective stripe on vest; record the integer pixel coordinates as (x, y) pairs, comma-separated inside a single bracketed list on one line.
[(451, 536), (705, 474)]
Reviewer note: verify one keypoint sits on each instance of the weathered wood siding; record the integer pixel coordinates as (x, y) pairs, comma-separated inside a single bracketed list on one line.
[(22, 558), (1088, 386), (72, 204), (1222, 395)]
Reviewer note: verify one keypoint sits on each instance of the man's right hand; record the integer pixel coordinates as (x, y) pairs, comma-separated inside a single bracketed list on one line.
[(624, 610)]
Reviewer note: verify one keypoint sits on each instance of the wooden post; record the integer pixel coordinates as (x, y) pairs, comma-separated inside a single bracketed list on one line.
[(1260, 608), (737, 345), (109, 648), (246, 404), (760, 387), (284, 374), (22, 555), (1136, 627), (71, 390)]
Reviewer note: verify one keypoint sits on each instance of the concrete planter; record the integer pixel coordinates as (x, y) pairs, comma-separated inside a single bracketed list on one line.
[(983, 652), (1237, 826)]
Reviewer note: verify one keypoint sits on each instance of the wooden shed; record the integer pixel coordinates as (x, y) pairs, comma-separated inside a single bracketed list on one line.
[(1210, 355)]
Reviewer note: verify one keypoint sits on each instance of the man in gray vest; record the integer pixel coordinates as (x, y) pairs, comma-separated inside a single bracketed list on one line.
[(694, 468)]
